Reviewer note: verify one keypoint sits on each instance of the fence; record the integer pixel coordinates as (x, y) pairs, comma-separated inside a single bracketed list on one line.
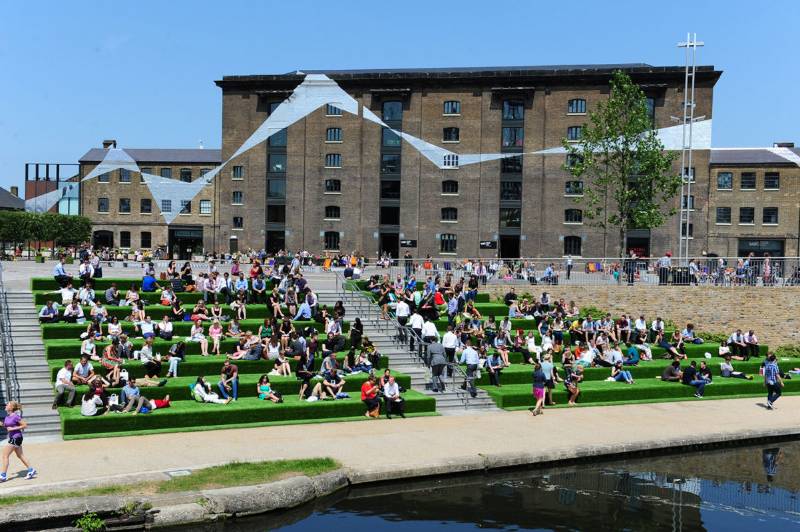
[(10, 384)]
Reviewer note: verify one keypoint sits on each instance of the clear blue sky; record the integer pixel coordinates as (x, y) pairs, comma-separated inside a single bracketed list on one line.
[(73, 73)]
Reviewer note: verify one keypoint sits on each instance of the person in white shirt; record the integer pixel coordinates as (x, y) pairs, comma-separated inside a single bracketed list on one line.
[(640, 325), (67, 293), (450, 342), (429, 332), (165, 328), (64, 386), (656, 330), (751, 341), (402, 311), (415, 321), (534, 351), (92, 405), (391, 396), (73, 312), (86, 294), (147, 328)]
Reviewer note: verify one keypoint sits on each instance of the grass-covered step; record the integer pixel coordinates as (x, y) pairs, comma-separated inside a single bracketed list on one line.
[(178, 388), (187, 298), (104, 283), (644, 390), (191, 415), (156, 312), (52, 331), (199, 365)]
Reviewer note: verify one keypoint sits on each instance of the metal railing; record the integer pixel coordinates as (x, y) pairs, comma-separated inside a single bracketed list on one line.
[(10, 383)]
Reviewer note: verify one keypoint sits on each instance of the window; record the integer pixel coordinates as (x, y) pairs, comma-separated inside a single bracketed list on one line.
[(449, 187), (146, 239), (510, 217), (723, 215), (145, 205), (513, 110), (124, 205), (238, 222), (237, 172), (747, 215), (277, 163), (278, 139), (333, 134), (204, 171), (576, 106), (748, 181), (725, 181), (448, 243), (125, 239), (688, 174), (450, 134), (166, 172), (332, 110), (572, 245), (511, 165), (392, 111), (687, 204), (683, 230), (510, 191), (390, 164), (333, 185), (333, 160), (276, 189), (333, 212), (772, 181), (332, 240), (650, 102), (574, 132), (237, 197), (390, 189), (449, 214), (513, 137), (573, 159), (450, 161), (573, 216), (389, 216), (102, 204), (276, 214), (573, 188), (104, 178), (146, 170), (205, 206), (452, 107), (166, 205), (124, 175), (186, 207), (389, 138), (186, 175), (770, 216)]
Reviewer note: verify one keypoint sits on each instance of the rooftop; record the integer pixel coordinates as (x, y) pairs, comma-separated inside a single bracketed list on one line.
[(9, 201), (160, 155), (749, 156)]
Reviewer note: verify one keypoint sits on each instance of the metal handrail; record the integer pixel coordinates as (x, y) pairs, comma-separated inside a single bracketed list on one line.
[(10, 383)]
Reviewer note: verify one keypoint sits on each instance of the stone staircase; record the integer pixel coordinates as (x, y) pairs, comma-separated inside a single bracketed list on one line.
[(454, 401), (32, 371)]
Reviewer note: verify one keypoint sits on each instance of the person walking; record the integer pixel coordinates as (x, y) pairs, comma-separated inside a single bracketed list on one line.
[(539, 380), (773, 381), (470, 357), (14, 425), (438, 361)]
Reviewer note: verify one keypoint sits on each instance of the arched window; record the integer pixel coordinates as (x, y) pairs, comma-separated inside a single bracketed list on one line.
[(449, 214), (333, 212), (333, 134), (572, 245), (574, 132), (576, 106), (449, 187), (452, 107), (573, 216), (333, 160), (332, 240)]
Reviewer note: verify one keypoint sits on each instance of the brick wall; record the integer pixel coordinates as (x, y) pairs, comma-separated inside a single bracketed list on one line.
[(774, 313)]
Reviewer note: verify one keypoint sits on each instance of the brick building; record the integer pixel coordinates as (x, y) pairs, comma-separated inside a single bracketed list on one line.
[(123, 210), (335, 181)]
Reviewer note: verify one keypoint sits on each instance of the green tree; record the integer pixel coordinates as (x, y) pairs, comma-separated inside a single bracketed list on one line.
[(628, 180), (74, 230)]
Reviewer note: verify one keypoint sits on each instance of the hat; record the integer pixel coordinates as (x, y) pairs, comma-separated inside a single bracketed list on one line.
[(668, 253)]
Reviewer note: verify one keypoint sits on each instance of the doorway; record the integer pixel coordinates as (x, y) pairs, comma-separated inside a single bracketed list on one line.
[(509, 246), (760, 247), (103, 239), (185, 242), (276, 241), (390, 244)]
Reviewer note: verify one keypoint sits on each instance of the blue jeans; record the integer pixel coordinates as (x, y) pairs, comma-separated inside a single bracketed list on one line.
[(700, 384), (173, 365), (623, 376), (773, 392), (234, 386)]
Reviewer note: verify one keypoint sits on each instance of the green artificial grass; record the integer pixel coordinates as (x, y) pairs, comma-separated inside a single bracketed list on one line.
[(191, 415), (104, 283), (156, 312)]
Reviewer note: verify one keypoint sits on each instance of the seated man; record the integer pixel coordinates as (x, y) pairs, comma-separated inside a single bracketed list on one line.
[(737, 345), (632, 356), (494, 365), (73, 312), (751, 344), (672, 373), (64, 387), (331, 385), (149, 283), (229, 380), (60, 273), (84, 373), (67, 292), (112, 295), (691, 377), (49, 313)]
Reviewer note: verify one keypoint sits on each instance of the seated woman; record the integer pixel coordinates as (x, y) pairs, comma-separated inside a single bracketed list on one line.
[(305, 372), (89, 349), (92, 405), (137, 312), (273, 348), (200, 312), (99, 313), (369, 395), (176, 355), (202, 393), (265, 391), (673, 350), (216, 311), (197, 335), (178, 312), (267, 329), (132, 296), (621, 375), (239, 307), (94, 330), (727, 371), (114, 329), (282, 366), (167, 296), (164, 328), (286, 330), (572, 310), (291, 301), (275, 303), (215, 332), (501, 349), (472, 311), (234, 329), (362, 363), (112, 363)]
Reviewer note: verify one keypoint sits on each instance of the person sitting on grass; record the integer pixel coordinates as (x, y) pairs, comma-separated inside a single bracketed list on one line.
[(621, 375), (672, 373), (200, 312), (691, 377), (727, 371), (131, 296), (167, 296), (164, 328), (49, 313), (84, 373), (632, 356), (671, 351), (369, 395), (265, 391), (494, 366), (239, 307), (176, 355), (395, 404), (215, 332), (137, 313), (572, 378), (149, 283), (331, 385), (73, 312), (229, 380), (202, 393), (282, 366), (305, 372), (92, 404), (751, 344), (147, 328), (177, 312), (234, 328), (737, 346), (197, 335)]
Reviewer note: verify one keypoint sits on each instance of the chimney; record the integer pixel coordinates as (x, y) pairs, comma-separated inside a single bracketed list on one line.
[(783, 144), (15, 191), (110, 143)]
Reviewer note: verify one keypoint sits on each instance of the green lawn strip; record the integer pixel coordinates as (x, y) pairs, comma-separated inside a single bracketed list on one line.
[(642, 390), (156, 312), (232, 474), (191, 415), (104, 283)]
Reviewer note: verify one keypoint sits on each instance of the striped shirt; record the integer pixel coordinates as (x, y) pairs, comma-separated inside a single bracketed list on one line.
[(771, 373)]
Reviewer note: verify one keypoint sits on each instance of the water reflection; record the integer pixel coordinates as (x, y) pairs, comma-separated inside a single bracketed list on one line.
[(742, 489)]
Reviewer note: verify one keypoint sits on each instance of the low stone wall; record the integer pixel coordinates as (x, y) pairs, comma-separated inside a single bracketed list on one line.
[(774, 313)]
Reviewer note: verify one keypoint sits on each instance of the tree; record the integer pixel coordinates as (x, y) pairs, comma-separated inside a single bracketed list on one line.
[(75, 230), (628, 178)]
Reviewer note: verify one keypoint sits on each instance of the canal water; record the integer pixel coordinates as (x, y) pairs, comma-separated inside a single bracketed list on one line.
[(748, 489)]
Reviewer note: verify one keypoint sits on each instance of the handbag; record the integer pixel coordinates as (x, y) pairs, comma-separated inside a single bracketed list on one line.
[(113, 399)]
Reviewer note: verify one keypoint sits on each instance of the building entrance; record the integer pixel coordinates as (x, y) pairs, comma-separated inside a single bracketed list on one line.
[(185, 242)]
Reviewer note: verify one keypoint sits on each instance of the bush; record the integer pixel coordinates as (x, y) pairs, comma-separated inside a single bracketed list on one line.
[(89, 522), (788, 351)]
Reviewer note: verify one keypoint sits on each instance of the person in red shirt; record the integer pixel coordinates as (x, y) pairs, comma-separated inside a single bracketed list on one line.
[(369, 394)]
